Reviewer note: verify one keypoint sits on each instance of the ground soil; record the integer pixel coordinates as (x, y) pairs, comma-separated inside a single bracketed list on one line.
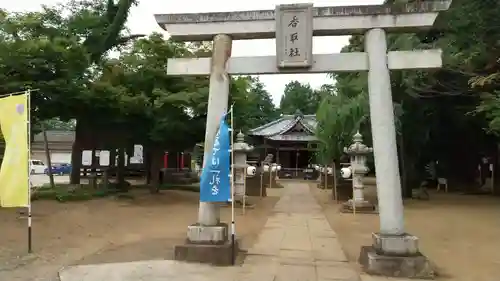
[(460, 234), (109, 230)]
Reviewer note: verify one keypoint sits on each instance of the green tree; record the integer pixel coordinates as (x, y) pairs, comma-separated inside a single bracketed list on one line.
[(53, 50), (57, 125), (253, 105), (339, 118), (301, 97), (56, 51), (432, 107), (152, 108), (172, 114)]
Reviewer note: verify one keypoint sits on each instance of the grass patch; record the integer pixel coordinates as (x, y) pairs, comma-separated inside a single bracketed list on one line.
[(68, 193), (193, 187)]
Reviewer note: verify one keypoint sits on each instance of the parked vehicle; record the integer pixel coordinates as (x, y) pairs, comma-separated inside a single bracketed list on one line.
[(59, 169), (37, 166)]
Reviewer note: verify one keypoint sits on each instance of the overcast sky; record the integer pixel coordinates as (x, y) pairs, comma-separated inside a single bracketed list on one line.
[(142, 21)]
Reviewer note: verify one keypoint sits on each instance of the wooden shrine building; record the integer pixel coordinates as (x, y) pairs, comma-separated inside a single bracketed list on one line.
[(290, 139)]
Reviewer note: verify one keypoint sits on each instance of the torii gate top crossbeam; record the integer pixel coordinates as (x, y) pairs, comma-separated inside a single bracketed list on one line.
[(328, 21)]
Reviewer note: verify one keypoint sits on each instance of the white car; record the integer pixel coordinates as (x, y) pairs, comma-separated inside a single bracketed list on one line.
[(37, 166)]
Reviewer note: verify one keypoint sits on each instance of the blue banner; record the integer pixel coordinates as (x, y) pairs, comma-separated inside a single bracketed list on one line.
[(215, 182)]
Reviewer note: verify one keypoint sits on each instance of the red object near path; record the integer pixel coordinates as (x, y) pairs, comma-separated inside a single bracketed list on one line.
[(165, 160)]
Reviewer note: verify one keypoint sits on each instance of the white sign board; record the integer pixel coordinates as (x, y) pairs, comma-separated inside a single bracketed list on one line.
[(137, 157), (87, 158), (294, 35), (104, 156)]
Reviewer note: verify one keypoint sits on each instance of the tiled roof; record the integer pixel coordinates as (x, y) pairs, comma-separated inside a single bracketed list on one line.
[(277, 129)]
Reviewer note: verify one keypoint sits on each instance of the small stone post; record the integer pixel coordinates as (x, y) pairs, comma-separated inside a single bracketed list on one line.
[(240, 150), (357, 153)]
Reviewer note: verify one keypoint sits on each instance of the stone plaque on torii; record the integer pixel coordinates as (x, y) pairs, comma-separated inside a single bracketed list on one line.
[(294, 29), (391, 245)]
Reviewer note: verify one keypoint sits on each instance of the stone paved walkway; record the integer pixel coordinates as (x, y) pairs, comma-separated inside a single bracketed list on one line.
[(296, 244)]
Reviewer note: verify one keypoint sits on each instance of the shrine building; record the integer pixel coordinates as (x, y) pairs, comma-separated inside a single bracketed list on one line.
[(290, 139)]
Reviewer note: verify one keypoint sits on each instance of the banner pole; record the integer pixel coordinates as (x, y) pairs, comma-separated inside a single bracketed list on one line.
[(28, 121), (261, 181), (270, 176), (353, 197), (233, 226), (244, 189)]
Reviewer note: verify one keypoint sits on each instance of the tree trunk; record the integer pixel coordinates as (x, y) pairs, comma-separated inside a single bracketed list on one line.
[(95, 164), (47, 155), (76, 154), (93, 169), (334, 174), (112, 161), (403, 169), (156, 164), (325, 177), (147, 164), (120, 173), (413, 175), (496, 171)]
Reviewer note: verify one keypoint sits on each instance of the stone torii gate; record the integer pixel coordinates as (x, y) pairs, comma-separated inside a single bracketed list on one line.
[(394, 252)]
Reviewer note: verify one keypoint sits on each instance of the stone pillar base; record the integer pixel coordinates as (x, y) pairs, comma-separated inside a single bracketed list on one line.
[(207, 244), (201, 234), (395, 256), (214, 254), (393, 266), (362, 207)]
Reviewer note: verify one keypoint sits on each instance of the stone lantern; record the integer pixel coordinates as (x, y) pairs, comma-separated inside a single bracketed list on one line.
[(240, 150), (357, 153)]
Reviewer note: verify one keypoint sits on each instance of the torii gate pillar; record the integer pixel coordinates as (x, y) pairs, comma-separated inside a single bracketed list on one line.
[(393, 252)]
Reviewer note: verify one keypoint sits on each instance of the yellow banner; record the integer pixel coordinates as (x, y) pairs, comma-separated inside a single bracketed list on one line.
[(14, 172)]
